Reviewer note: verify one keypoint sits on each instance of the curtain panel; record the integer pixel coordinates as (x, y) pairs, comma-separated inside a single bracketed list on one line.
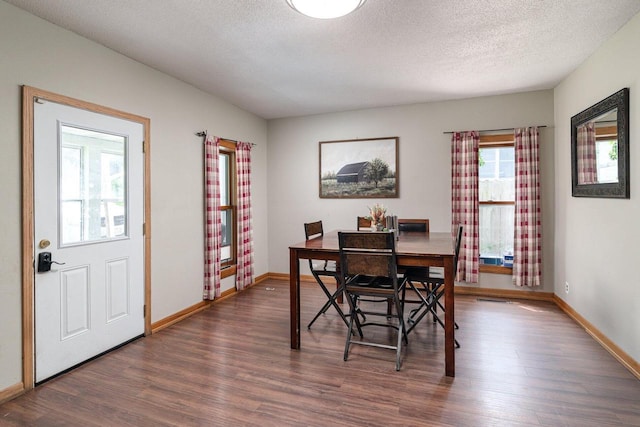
[(464, 202), (586, 154), (244, 271), (213, 226), (527, 243)]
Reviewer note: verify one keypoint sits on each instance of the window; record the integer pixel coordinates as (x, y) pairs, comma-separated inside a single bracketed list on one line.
[(607, 154), (92, 187), (496, 193), (227, 173)]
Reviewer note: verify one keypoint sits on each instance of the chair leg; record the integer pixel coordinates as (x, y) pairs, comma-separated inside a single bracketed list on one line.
[(412, 320), (353, 314), (401, 337), (455, 325), (348, 341), (331, 301), (352, 317), (430, 305), (322, 311), (434, 308), (442, 324), (420, 312), (325, 307), (401, 328)]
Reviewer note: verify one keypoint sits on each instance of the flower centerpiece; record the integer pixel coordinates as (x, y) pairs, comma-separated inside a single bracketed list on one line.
[(377, 213)]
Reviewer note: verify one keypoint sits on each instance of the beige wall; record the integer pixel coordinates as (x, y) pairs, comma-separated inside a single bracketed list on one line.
[(425, 166), (597, 239), (36, 53)]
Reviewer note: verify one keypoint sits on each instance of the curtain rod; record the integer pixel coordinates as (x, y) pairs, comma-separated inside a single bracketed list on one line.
[(493, 130), (204, 133)]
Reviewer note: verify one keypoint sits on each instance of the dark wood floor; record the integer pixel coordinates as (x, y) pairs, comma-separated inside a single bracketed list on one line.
[(520, 364)]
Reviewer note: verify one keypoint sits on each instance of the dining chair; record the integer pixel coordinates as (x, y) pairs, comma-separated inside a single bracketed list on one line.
[(364, 223), (431, 281), (368, 269), (413, 225), (327, 269)]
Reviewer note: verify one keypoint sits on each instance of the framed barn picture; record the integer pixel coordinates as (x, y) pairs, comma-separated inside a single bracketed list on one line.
[(359, 168)]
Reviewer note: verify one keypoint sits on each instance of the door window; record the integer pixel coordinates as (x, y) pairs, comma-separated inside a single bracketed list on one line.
[(92, 186)]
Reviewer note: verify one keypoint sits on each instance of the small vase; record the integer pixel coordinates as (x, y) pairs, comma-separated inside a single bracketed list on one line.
[(379, 227)]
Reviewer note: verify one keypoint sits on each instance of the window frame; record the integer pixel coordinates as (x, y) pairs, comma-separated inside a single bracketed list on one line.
[(228, 147), (495, 141)]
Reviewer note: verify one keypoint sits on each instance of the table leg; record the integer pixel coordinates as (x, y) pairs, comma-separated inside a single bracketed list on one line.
[(449, 319), (294, 298)]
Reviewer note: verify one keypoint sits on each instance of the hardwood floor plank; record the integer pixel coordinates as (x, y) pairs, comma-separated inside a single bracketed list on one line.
[(522, 363)]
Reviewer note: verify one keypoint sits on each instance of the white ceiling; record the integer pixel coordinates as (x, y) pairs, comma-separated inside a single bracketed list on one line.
[(268, 59)]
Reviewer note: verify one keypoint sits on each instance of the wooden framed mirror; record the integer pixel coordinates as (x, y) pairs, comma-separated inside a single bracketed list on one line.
[(600, 149)]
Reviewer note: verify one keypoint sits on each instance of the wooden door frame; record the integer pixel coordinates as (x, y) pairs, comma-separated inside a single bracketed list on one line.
[(29, 95)]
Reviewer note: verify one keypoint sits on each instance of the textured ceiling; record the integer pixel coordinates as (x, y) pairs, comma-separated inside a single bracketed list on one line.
[(267, 59)]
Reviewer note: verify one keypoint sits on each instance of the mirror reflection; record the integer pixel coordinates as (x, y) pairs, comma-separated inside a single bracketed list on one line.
[(597, 149)]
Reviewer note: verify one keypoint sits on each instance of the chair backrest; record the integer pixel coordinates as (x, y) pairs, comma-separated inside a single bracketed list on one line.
[(363, 223), (365, 253), (456, 252), (413, 225), (313, 229)]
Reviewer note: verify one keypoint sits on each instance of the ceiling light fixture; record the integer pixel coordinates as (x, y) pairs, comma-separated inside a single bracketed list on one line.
[(325, 9)]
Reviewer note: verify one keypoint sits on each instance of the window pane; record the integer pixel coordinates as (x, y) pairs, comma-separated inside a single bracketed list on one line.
[(72, 220), (496, 174), (112, 176), (487, 163), (112, 208), (223, 168), (496, 230), (92, 185), (227, 234), (70, 167), (607, 161), (506, 164)]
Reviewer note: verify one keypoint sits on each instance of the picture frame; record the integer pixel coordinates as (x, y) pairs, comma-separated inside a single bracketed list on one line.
[(359, 168)]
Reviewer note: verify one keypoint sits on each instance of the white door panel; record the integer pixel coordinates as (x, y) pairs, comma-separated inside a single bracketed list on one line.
[(75, 301), (88, 203), (117, 287)]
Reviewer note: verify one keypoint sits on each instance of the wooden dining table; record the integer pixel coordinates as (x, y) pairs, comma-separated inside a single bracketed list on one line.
[(412, 249)]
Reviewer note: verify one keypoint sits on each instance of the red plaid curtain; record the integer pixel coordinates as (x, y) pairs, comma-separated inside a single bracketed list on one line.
[(527, 242), (464, 202), (213, 226), (244, 272), (586, 153)]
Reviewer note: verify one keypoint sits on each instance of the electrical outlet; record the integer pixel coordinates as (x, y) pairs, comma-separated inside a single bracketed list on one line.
[(566, 287)]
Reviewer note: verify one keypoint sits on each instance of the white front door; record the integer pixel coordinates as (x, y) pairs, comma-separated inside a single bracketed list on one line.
[(88, 210)]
